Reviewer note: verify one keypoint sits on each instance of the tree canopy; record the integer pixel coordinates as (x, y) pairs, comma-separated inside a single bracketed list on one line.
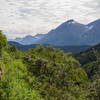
[(47, 74)]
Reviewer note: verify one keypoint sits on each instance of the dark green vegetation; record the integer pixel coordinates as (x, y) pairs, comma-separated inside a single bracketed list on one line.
[(73, 49), (90, 60), (46, 74)]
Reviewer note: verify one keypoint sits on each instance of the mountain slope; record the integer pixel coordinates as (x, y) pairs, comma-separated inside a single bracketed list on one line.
[(89, 55), (73, 33), (68, 33), (93, 35), (27, 40), (73, 49), (90, 59)]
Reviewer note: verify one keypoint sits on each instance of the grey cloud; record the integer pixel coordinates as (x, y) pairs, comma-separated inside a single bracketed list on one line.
[(21, 17)]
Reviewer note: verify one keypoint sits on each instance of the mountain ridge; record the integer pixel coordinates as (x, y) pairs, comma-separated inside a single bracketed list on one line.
[(73, 49), (68, 33)]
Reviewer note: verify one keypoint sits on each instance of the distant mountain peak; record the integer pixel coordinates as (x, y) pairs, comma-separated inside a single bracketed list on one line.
[(68, 23), (71, 21)]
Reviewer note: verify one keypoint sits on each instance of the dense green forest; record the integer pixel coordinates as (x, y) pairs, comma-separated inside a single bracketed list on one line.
[(48, 74)]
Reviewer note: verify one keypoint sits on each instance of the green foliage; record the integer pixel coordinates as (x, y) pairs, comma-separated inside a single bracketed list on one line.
[(58, 74), (48, 74), (94, 90), (90, 60), (3, 41), (15, 83)]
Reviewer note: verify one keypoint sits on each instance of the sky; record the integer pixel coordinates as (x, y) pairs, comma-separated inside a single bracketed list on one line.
[(19, 18)]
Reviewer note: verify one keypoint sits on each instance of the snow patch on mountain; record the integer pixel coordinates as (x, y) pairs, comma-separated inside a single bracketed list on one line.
[(90, 27)]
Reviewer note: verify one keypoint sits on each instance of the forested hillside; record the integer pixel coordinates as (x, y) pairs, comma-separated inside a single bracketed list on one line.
[(90, 59), (73, 49), (46, 74)]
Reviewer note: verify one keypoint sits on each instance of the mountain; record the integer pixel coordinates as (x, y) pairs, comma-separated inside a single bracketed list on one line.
[(73, 49), (69, 33), (74, 33), (27, 40), (23, 47), (92, 36)]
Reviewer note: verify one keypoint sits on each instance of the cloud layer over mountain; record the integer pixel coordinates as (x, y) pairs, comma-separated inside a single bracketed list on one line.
[(23, 17)]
